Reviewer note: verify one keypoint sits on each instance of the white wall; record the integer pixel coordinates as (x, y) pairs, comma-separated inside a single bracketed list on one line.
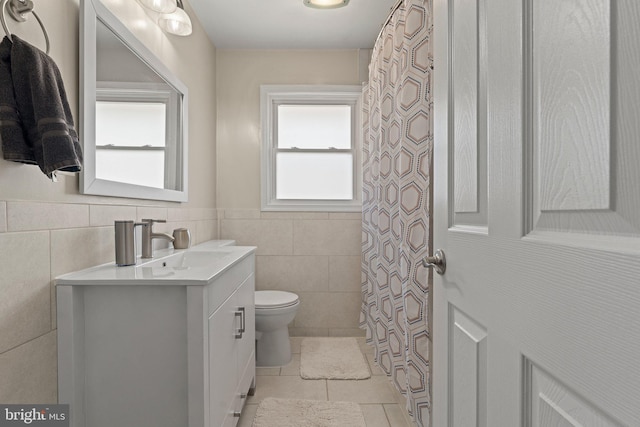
[(47, 229), (316, 255)]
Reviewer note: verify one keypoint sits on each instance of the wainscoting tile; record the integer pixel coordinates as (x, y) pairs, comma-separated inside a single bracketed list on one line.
[(103, 215), (29, 372), (267, 371), (150, 212), (346, 215), (53, 302), (344, 273), (292, 273), (25, 283), (327, 237), (295, 215), (296, 343), (308, 332), (206, 230), (77, 249), (331, 310), (80, 248), (272, 237), (346, 332), (3, 217), (28, 216), (241, 214), (198, 214), (202, 214), (177, 214)]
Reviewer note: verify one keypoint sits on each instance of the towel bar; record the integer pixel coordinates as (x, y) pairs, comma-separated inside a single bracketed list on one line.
[(17, 9)]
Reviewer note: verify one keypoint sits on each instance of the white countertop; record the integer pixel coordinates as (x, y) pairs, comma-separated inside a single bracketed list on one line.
[(197, 265)]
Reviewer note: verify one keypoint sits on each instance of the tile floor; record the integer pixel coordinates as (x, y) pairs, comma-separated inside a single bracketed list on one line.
[(381, 404)]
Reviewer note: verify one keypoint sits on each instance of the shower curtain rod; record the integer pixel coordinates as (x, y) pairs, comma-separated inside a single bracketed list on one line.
[(395, 7)]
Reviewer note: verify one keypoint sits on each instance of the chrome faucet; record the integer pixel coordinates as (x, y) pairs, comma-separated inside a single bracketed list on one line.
[(148, 235)]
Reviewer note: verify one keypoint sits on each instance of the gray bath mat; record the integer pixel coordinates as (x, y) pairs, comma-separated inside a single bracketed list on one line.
[(332, 359), (307, 413)]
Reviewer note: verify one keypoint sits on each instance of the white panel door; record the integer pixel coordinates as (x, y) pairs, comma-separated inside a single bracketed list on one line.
[(537, 208), (223, 364)]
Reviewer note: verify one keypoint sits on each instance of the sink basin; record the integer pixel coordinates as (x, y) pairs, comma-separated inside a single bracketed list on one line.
[(185, 260)]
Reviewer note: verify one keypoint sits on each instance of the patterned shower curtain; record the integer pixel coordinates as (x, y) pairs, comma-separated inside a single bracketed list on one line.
[(396, 220)]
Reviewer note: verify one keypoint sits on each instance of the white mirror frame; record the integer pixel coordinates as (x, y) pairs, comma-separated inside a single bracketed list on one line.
[(91, 11)]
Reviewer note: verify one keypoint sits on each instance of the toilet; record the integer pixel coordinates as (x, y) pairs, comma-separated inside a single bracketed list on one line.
[(274, 311)]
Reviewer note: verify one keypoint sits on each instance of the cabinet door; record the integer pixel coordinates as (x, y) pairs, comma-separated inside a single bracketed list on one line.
[(222, 363), (246, 345)]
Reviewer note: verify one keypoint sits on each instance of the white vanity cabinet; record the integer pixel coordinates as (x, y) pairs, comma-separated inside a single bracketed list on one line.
[(163, 344), (231, 331)]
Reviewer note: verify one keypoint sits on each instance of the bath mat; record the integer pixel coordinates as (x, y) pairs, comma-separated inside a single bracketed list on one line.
[(274, 412), (332, 359)]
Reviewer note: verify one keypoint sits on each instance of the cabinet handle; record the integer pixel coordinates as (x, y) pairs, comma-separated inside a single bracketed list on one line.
[(240, 331), (242, 319)]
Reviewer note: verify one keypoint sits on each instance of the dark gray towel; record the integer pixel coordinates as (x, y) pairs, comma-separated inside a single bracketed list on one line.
[(14, 142), (44, 109)]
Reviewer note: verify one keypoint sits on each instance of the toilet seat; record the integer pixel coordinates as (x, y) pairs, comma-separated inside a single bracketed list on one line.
[(266, 300)]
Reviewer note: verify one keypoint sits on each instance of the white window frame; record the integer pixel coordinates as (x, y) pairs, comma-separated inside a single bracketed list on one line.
[(151, 92), (273, 95)]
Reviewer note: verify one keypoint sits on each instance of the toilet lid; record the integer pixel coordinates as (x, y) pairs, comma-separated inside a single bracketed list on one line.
[(275, 299)]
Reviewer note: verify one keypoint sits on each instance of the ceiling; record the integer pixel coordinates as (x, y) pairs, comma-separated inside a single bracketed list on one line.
[(289, 24)]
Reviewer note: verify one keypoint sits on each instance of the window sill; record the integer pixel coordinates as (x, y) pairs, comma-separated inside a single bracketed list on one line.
[(291, 206)]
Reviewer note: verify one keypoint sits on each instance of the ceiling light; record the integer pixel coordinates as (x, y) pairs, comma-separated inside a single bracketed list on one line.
[(326, 4), (160, 6), (177, 23)]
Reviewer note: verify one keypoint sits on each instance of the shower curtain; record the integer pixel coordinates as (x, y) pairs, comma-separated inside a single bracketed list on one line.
[(396, 220)]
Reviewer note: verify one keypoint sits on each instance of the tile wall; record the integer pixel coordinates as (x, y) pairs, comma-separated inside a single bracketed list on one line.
[(314, 254), (39, 241)]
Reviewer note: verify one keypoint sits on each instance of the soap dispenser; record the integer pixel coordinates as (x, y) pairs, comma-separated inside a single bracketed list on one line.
[(125, 243)]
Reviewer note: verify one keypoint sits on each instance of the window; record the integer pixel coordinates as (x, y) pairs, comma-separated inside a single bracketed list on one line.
[(134, 134), (310, 148)]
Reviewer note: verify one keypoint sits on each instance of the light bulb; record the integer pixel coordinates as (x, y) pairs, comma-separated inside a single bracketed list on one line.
[(326, 4), (160, 6), (177, 23)]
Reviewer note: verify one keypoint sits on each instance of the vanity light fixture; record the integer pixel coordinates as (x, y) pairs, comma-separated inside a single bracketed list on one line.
[(160, 6), (326, 4), (177, 23)]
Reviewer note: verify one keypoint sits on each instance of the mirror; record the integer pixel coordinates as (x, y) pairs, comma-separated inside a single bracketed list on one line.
[(133, 114)]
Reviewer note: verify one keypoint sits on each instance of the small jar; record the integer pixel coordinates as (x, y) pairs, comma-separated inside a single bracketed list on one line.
[(182, 238)]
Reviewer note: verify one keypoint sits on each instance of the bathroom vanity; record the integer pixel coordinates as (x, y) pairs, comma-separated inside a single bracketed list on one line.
[(168, 342)]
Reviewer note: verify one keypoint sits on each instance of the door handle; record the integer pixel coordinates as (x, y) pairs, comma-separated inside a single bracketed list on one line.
[(437, 261)]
